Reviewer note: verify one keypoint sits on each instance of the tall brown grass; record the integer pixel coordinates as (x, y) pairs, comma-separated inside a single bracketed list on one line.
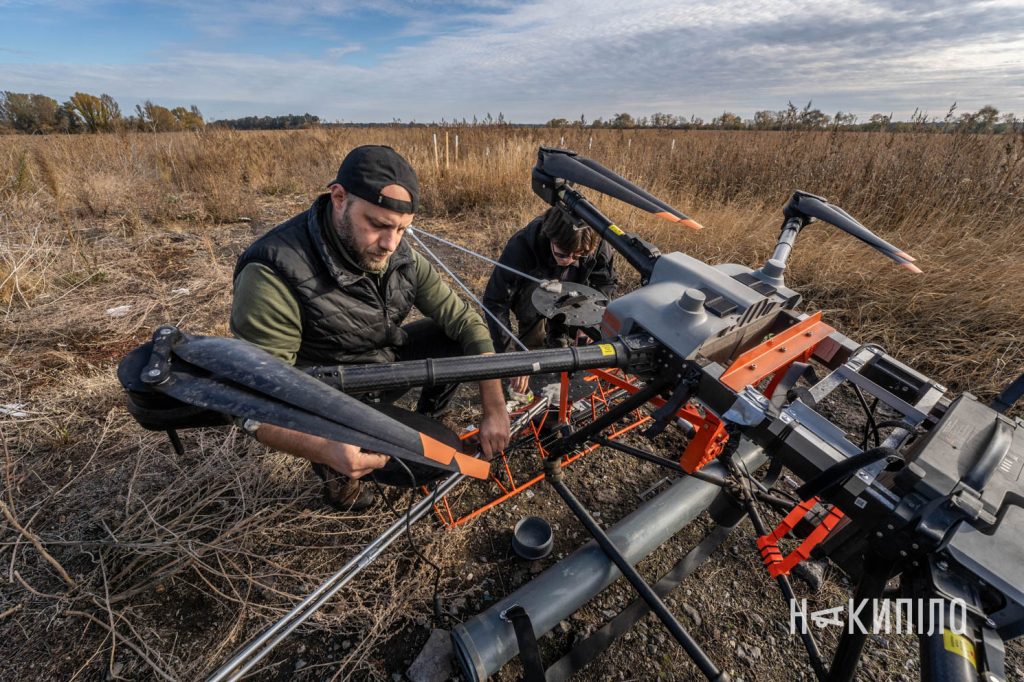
[(952, 200), (154, 222)]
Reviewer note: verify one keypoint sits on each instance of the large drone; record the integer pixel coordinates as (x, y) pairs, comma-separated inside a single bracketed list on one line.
[(931, 495)]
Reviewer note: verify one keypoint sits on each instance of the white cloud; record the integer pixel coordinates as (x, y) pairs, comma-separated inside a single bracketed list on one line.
[(343, 51), (537, 60)]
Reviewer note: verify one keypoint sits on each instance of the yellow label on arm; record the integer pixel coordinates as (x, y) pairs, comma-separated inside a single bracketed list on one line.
[(959, 645), (616, 229), (607, 349)]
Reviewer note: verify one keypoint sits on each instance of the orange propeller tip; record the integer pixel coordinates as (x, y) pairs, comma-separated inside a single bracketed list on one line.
[(665, 215), (473, 467), (910, 266), (436, 450), (692, 224), (907, 256)]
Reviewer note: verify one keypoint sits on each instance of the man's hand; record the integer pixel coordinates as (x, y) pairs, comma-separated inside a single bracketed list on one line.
[(350, 460), (344, 458), (494, 427), (494, 431), (519, 384)]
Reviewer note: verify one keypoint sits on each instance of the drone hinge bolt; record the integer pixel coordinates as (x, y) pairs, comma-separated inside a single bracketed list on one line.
[(153, 372), (879, 534), (915, 546), (942, 566), (889, 526), (903, 553), (989, 623)]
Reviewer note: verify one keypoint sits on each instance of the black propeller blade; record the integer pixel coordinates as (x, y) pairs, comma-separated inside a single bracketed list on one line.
[(811, 206), (247, 381), (223, 396), (589, 173), (612, 175)]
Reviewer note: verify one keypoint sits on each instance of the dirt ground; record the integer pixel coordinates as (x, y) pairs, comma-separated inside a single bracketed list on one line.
[(130, 562)]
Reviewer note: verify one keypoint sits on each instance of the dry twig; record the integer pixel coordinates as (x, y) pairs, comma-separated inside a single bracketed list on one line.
[(31, 537)]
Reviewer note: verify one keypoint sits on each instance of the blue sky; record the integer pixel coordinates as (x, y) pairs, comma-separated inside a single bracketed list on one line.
[(356, 60)]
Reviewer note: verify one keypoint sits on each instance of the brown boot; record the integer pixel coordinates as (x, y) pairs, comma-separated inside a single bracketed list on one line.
[(343, 493)]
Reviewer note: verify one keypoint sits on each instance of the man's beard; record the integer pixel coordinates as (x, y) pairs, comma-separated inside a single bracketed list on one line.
[(364, 259)]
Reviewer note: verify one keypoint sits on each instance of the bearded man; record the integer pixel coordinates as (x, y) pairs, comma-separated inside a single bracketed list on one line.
[(333, 286)]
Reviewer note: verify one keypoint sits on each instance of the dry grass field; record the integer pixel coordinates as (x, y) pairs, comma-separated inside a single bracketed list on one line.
[(119, 560)]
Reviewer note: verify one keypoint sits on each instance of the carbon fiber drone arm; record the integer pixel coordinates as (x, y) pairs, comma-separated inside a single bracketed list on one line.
[(632, 352)]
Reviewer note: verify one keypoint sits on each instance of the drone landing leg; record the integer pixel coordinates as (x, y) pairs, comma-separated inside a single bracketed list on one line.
[(877, 572), (747, 500), (727, 517), (553, 475)]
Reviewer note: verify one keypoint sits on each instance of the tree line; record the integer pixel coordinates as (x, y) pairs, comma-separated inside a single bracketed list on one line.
[(986, 120), (285, 122), (84, 113)]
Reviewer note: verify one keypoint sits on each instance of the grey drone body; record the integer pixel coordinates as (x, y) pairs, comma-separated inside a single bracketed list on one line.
[(688, 302)]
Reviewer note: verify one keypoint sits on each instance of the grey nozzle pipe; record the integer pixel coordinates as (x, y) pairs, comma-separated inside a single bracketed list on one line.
[(485, 642)]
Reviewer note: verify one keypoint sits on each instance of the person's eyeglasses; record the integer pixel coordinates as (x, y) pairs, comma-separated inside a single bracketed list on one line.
[(562, 255)]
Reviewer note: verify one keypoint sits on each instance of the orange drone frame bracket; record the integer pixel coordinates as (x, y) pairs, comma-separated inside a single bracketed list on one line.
[(779, 351), (767, 359), (769, 544)]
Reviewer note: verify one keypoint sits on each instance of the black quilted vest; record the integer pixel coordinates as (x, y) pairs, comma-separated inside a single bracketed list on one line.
[(348, 316)]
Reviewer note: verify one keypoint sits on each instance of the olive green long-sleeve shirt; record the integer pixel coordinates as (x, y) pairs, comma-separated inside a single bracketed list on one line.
[(265, 312)]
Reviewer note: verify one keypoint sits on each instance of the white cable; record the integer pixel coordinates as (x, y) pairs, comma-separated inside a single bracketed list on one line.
[(458, 281), (480, 256)]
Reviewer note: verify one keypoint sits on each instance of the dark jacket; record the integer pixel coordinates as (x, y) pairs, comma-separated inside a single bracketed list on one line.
[(529, 251), (348, 315)]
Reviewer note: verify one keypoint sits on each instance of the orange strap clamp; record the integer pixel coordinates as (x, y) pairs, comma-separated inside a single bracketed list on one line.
[(769, 544)]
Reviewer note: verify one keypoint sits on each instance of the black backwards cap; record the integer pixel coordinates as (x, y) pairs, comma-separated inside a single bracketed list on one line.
[(370, 168)]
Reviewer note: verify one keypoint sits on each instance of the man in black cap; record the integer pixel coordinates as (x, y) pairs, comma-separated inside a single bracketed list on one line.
[(332, 286)]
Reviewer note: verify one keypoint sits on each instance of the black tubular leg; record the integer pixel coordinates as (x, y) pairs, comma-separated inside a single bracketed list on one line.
[(553, 474), (589, 649), (179, 449), (641, 454), (779, 503), (871, 587), (813, 653), (660, 461)]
